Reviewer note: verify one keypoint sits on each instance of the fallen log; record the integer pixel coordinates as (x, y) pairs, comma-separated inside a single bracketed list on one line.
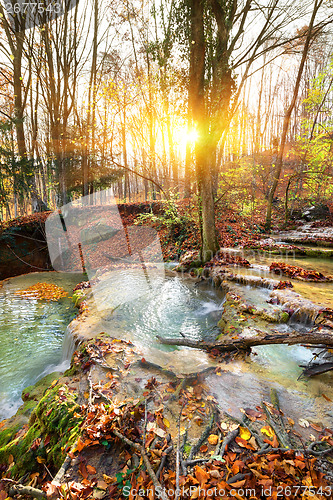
[(316, 369), (314, 337)]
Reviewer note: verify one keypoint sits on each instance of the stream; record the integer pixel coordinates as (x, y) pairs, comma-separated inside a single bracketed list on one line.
[(32, 336)]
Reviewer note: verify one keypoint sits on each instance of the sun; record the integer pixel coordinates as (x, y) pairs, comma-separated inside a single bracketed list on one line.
[(185, 136)]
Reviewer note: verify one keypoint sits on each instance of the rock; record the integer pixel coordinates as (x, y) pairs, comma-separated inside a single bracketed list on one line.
[(316, 212), (189, 260)]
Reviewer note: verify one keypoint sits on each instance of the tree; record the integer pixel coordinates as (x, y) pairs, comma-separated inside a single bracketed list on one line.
[(287, 117), (217, 48)]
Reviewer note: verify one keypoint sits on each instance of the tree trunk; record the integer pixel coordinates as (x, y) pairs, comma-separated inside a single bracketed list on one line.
[(288, 114), (209, 244)]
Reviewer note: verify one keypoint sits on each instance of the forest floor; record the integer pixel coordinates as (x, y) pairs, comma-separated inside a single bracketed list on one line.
[(129, 428)]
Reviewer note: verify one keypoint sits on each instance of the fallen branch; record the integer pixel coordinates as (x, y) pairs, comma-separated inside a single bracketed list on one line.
[(227, 440), (276, 403), (164, 457), (259, 338), (308, 451), (316, 369)]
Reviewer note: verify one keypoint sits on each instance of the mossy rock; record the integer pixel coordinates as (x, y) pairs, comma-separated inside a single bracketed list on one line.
[(311, 252), (36, 391), (54, 427), (30, 396)]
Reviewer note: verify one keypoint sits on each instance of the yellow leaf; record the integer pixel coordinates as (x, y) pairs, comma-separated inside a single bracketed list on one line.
[(109, 479), (166, 422), (244, 433), (40, 460), (12, 57), (268, 431)]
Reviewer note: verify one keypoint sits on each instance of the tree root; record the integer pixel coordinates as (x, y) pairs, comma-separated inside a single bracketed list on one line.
[(196, 447), (149, 468), (308, 451)]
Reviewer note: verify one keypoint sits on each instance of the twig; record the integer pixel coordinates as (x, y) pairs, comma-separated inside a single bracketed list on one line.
[(90, 401), (178, 458), (145, 427), (276, 403), (164, 457), (227, 440), (196, 461), (149, 468), (182, 462)]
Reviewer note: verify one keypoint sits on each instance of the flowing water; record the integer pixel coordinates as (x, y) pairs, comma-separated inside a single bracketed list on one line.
[(31, 335)]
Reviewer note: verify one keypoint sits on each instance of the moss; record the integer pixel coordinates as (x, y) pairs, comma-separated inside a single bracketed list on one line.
[(77, 297), (53, 427), (72, 370), (311, 252), (37, 390), (7, 433), (284, 317)]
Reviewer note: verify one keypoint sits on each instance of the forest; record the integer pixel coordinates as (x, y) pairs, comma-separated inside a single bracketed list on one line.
[(166, 246)]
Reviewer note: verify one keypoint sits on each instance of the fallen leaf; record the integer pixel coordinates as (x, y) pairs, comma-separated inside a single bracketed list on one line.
[(102, 485), (316, 427), (201, 475), (166, 422), (244, 433), (213, 439), (91, 469), (267, 431), (303, 423)]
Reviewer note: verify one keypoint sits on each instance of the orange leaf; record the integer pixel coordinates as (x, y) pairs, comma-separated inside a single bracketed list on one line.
[(243, 443), (316, 427), (79, 445), (201, 475), (204, 448), (91, 469), (83, 470), (238, 484)]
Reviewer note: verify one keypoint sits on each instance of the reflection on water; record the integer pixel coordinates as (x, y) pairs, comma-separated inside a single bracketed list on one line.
[(31, 335)]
